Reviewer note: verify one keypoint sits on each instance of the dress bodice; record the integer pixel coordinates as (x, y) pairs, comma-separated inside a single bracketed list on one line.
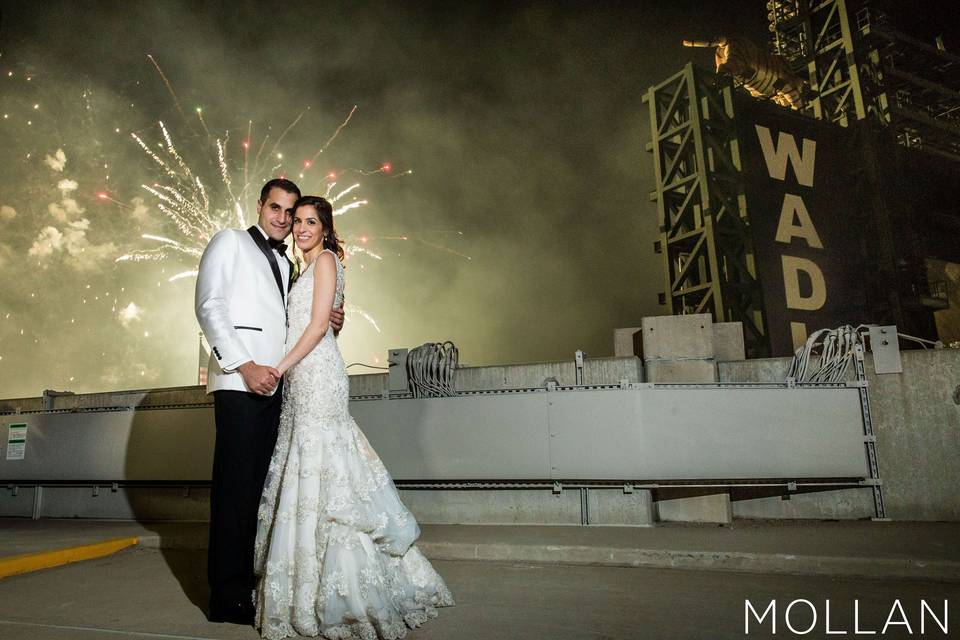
[(300, 303)]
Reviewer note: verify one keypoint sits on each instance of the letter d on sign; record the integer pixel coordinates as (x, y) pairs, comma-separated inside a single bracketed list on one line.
[(792, 266)]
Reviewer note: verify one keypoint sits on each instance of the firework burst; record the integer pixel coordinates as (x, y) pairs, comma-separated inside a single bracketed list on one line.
[(184, 198), (200, 207)]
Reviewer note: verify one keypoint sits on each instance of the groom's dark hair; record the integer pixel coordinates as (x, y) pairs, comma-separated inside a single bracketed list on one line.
[(280, 183)]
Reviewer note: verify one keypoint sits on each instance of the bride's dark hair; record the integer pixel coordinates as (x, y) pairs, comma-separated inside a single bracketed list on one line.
[(325, 213)]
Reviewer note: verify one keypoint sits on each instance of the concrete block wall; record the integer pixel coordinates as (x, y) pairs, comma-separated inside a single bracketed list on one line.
[(843, 504), (173, 396), (916, 418), (144, 504), (627, 341), (714, 507), (480, 506), (681, 349), (678, 348), (522, 376), (571, 506), (687, 348), (917, 422), (595, 371)]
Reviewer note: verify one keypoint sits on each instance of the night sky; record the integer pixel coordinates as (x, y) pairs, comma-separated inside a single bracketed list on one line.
[(527, 215)]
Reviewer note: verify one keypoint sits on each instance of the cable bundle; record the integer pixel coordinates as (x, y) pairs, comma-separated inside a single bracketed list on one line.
[(431, 368), (836, 351)]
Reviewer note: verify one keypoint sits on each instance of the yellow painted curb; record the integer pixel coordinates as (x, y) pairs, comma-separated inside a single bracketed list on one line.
[(28, 562)]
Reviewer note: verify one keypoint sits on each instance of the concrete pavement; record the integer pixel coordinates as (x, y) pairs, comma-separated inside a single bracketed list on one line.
[(147, 593), (919, 550)]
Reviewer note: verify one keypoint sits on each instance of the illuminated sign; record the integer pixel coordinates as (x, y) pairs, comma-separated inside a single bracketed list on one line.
[(800, 193)]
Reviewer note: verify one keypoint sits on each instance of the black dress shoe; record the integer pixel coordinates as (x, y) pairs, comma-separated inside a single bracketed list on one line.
[(239, 613)]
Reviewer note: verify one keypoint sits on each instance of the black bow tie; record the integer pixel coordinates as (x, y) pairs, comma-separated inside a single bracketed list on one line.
[(277, 246)]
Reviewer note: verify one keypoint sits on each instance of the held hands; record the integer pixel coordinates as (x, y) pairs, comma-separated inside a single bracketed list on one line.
[(258, 378)]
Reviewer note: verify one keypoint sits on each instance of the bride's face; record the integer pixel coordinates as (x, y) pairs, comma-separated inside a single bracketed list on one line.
[(307, 228)]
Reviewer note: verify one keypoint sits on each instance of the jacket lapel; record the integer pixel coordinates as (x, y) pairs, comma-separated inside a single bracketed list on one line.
[(261, 242)]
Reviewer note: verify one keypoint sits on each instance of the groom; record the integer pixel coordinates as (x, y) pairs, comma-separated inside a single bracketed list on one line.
[(240, 303)]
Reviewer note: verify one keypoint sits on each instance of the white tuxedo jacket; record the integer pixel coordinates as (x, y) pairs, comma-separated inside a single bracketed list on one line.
[(240, 304)]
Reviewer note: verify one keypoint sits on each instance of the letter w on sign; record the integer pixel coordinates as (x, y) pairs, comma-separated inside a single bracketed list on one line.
[(786, 152)]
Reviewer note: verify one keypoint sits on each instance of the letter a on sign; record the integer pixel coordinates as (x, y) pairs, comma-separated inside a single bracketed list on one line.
[(794, 209), (792, 266), (786, 152)]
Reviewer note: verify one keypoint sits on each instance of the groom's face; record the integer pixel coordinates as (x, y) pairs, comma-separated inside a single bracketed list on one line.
[(276, 213)]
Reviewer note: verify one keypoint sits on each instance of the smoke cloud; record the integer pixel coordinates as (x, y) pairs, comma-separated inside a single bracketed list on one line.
[(6, 255), (522, 233), (65, 211), (522, 123), (57, 161), (139, 211), (49, 241), (130, 314), (66, 186), (81, 255)]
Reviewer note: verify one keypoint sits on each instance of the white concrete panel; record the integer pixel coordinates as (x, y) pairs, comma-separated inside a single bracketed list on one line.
[(469, 437), (692, 433), (163, 444), (637, 434)]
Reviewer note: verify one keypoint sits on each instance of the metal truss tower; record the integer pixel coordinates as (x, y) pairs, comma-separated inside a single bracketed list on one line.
[(704, 234), (860, 67)]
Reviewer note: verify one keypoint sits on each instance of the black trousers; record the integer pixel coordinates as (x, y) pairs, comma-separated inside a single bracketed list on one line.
[(247, 426)]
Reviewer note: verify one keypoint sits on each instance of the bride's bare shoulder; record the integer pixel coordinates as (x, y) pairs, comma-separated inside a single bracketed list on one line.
[(325, 265)]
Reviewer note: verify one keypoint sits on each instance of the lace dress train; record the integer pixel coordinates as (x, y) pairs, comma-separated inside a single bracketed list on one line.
[(335, 551)]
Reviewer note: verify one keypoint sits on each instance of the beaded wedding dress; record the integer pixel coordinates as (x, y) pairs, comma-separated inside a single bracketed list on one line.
[(335, 551)]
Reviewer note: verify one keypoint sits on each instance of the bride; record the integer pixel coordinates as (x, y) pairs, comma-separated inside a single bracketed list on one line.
[(335, 553)]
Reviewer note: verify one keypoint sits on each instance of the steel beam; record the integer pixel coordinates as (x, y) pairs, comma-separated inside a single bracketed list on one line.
[(704, 235)]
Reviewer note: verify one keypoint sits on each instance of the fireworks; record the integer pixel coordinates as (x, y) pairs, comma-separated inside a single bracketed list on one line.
[(63, 159), (101, 191), (186, 201), (339, 209), (352, 309), (199, 208)]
